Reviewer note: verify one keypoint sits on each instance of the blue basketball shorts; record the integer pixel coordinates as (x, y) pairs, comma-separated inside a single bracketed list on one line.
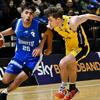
[(15, 66)]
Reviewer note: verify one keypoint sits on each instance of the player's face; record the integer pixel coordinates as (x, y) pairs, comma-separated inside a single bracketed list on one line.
[(53, 22), (27, 16)]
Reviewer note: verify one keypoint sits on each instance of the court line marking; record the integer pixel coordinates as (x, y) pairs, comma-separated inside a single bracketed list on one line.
[(46, 91)]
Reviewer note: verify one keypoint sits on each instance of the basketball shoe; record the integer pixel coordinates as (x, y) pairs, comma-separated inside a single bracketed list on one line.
[(61, 93), (71, 94)]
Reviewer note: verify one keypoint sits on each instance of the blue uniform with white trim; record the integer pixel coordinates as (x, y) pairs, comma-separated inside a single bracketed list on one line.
[(27, 39)]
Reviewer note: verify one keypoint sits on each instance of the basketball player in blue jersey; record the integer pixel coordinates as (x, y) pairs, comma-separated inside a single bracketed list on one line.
[(28, 51)]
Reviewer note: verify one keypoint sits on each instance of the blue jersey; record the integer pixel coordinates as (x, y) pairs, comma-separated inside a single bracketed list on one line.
[(26, 39)]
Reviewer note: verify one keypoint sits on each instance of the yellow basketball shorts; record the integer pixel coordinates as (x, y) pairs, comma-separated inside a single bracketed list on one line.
[(80, 53)]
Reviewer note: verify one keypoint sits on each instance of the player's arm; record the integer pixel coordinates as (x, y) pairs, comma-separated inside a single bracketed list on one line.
[(47, 36), (85, 17), (75, 21), (10, 30), (7, 32), (38, 50), (49, 39)]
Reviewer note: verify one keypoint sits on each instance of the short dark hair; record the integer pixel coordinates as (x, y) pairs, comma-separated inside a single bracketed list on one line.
[(54, 11), (29, 6)]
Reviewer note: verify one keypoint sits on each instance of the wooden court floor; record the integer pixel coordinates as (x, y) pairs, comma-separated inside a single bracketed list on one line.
[(89, 90)]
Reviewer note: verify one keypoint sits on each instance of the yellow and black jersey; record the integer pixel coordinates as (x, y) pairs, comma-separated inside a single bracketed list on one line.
[(74, 41)]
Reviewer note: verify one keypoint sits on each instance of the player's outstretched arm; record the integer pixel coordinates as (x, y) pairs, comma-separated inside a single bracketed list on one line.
[(85, 17), (75, 21)]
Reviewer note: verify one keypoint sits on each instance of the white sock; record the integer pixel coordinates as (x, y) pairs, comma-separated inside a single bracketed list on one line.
[(4, 91), (63, 84)]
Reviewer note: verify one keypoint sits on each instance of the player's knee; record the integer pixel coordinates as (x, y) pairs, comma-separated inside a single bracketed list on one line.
[(5, 82), (65, 63), (62, 64)]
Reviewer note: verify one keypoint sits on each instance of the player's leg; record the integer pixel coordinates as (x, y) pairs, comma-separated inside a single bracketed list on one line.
[(72, 74), (65, 64), (23, 75), (28, 69), (20, 78), (72, 71)]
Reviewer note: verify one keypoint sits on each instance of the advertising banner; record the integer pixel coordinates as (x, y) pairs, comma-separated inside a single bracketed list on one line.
[(48, 71)]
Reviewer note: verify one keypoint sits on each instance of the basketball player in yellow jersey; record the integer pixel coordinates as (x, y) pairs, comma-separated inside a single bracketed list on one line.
[(76, 46)]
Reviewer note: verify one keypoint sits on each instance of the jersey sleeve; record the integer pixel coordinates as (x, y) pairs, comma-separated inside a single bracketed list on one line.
[(13, 24), (42, 27)]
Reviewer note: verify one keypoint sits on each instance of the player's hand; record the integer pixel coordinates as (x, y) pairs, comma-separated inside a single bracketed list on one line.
[(47, 52), (37, 51)]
